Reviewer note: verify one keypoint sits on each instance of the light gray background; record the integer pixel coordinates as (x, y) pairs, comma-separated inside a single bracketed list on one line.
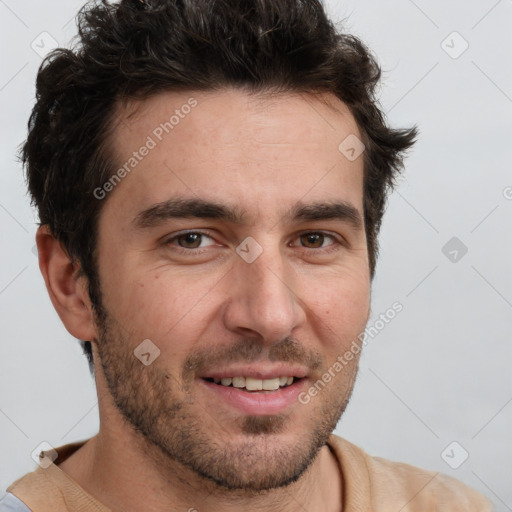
[(440, 371)]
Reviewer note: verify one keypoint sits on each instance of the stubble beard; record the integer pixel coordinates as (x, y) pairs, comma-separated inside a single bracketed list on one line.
[(172, 429)]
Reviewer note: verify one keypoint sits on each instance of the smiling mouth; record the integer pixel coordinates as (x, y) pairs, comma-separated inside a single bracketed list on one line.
[(254, 385)]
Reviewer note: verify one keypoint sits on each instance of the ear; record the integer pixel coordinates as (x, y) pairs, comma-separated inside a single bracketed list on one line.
[(67, 291)]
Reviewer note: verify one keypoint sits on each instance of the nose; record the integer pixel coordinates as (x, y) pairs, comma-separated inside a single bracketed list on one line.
[(262, 299)]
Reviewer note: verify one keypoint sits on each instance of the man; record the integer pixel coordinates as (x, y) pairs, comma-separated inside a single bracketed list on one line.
[(210, 178)]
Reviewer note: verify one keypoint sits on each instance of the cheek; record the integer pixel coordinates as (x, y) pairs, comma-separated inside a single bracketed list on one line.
[(170, 310), (343, 306), (339, 333)]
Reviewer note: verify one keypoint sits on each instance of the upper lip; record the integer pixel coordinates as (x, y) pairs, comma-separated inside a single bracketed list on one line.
[(257, 371)]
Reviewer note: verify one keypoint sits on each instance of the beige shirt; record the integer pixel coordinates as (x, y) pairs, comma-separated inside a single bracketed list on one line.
[(370, 484)]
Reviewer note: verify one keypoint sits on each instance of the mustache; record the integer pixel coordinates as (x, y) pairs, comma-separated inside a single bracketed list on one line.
[(288, 350)]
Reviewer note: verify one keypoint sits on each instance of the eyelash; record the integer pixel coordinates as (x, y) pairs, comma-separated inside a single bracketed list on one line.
[(330, 248)]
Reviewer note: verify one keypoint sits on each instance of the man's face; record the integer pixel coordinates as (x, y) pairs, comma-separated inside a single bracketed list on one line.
[(272, 281)]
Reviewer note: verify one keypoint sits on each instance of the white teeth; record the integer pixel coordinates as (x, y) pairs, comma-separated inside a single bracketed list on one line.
[(252, 384), (239, 382), (270, 384)]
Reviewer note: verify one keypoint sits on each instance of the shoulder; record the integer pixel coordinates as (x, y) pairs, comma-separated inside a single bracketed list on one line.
[(424, 488), (404, 486), (38, 491), (10, 503)]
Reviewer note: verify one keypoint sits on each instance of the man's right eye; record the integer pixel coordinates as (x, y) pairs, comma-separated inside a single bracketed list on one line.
[(190, 240)]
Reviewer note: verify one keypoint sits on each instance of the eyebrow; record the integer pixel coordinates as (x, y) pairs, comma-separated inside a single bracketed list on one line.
[(329, 210), (203, 209)]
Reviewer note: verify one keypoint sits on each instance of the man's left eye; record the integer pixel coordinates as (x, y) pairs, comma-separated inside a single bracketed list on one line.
[(315, 240)]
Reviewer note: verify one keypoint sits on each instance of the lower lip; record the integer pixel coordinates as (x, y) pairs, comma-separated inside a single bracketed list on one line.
[(257, 402)]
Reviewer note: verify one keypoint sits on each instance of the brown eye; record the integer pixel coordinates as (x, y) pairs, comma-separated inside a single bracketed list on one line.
[(191, 243), (189, 240), (313, 240)]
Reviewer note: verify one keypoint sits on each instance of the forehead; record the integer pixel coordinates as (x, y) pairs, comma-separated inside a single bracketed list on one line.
[(267, 109), (251, 147)]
